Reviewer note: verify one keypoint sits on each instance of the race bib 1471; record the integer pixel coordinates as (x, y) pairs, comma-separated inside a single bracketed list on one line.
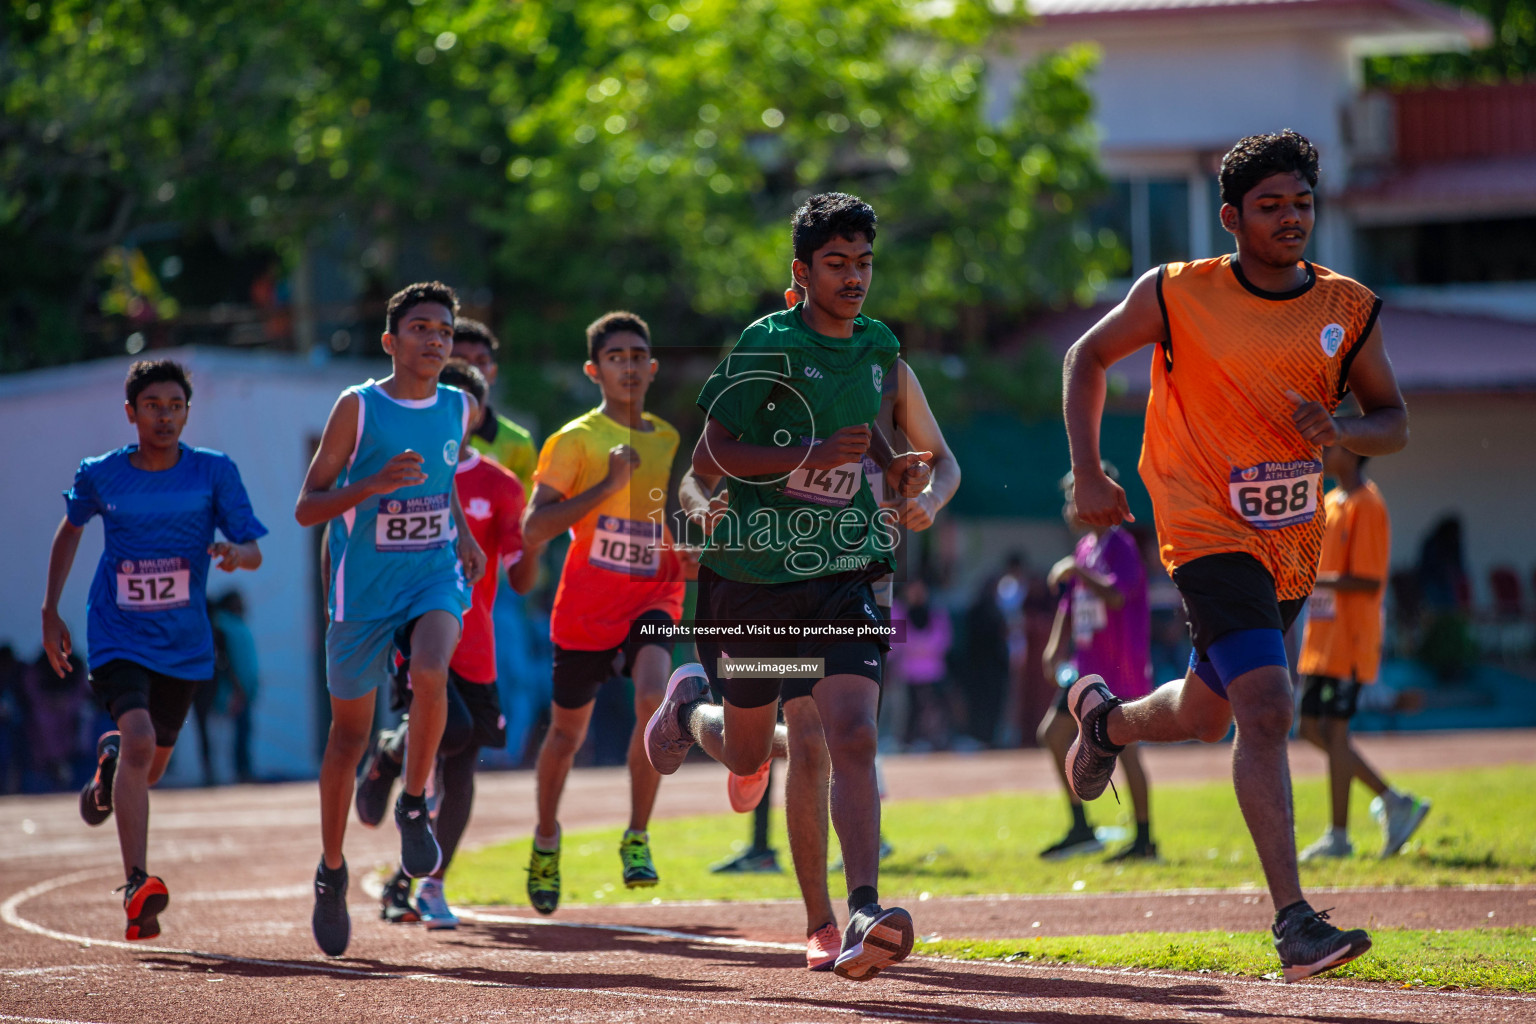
[(153, 584), (413, 524), (1274, 495)]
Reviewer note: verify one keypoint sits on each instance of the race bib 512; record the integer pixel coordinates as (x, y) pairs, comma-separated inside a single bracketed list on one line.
[(153, 584), (628, 546), (413, 524), (1274, 495)]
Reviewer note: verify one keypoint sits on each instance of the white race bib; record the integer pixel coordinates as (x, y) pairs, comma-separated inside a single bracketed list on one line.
[(628, 546), (1089, 615), (876, 477), (153, 584), (835, 486), (413, 524), (1274, 495), (1323, 605)]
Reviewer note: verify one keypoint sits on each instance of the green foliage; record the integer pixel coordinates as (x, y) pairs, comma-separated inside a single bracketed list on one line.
[(1511, 56), (1484, 958), (573, 156), (990, 844)]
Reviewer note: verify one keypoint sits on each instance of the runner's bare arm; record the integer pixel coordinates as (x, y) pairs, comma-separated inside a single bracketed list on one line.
[(1053, 654), (719, 453), (1102, 587), (318, 503), (524, 573), (703, 499), (915, 418), (236, 556), (57, 644), (1346, 582), (470, 555), (551, 513), (1131, 326), (1382, 426)]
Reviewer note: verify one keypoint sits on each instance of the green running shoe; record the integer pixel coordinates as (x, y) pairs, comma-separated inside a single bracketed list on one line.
[(635, 855), (544, 880)]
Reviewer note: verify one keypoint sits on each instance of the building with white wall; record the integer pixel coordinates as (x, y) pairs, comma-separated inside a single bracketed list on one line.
[(267, 412)]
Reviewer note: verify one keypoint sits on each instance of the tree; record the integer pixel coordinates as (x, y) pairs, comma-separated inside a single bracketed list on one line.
[(1511, 56)]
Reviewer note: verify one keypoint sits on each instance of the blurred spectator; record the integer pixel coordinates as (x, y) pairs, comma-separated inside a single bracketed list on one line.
[(999, 599), (241, 683), (57, 712), (1445, 636), (12, 715), (919, 664)]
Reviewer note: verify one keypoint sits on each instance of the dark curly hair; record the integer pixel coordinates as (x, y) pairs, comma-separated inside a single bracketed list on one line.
[(1258, 156), (599, 330), (474, 332), (461, 374), (827, 216), (154, 371), (413, 295)]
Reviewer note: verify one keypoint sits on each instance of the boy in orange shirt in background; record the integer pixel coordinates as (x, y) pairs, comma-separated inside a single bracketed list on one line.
[(1342, 650)]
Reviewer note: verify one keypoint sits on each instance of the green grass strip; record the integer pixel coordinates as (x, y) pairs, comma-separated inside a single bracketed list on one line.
[(1502, 959)]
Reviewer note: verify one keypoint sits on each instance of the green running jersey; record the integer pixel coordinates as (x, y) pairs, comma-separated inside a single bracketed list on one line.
[(784, 385)]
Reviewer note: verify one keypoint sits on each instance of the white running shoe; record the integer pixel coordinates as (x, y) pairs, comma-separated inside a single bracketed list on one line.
[(433, 906), (666, 741), (1329, 846), (1399, 815)]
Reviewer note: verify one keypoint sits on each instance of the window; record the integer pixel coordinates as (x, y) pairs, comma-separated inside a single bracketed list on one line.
[(1453, 252), (1150, 216)]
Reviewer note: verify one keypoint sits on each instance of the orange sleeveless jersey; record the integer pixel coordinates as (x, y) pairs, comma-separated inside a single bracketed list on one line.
[(1225, 466)]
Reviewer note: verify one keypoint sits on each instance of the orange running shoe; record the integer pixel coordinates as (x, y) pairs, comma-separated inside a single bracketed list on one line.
[(144, 897), (746, 791), (822, 947)]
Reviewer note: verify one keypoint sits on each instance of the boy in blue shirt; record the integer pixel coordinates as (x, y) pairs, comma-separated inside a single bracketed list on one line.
[(383, 481), (147, 615)]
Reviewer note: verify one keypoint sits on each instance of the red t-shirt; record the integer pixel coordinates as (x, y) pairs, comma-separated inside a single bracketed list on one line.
[(492, 499)]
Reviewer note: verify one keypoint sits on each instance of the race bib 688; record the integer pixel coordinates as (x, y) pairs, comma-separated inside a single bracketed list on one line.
[(1274, 495)]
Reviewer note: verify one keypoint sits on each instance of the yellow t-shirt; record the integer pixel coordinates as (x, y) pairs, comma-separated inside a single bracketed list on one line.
[(1343, 637), (620, 563)]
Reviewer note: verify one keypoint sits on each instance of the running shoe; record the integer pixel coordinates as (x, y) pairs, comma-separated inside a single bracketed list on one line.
[(1076, 843), (395, 902), (1307, 944), (746, 791), (822, 947), (1399, 816), (666, 741), (544, 880), (874, 940), (330, 922), (96, 797), (419, 853), (1138, 850), (1328, 846), (433, 905), (1089, 763), (377, 781), (750, 862), (635, 855), (144, 897)]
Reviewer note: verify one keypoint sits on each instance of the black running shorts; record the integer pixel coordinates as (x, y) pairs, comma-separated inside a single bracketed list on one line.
[(845, 595), (579, 674), (122, 686), (1327, 697), (1228, 592)]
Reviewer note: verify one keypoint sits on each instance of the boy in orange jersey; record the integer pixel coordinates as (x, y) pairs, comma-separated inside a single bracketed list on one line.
[(1255, 350), (604, 477), (1341, 652)]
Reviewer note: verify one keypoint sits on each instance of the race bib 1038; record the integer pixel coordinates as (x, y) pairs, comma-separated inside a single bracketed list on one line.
[(413, 524), (153, 584), (1274, 495), (628, 546)]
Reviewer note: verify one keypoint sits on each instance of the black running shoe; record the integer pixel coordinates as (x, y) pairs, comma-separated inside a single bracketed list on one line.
[(1089, 763), (1307, 944), (1075, 843), (544, 880), (1138, 850), (144, 897), (395, 902), (331, 923), (874, 940), (419, 853), (377, 780), (96, 797)]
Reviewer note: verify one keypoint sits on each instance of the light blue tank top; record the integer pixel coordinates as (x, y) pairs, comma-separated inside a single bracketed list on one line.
[(393, 548)]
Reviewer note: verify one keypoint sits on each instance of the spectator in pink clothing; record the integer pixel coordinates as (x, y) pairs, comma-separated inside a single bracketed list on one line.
[(920, 662), (1103, 606)]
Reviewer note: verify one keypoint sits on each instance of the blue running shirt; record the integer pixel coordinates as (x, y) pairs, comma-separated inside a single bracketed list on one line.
[(147, 602), (394, 547)]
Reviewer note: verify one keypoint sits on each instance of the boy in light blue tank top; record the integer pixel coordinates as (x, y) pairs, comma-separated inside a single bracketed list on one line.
[(401, 557)]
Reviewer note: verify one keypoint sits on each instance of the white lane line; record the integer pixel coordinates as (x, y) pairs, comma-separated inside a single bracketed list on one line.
[(9, 914), (21, 972)]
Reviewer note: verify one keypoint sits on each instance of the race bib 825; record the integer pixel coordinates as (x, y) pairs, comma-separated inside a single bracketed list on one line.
[(413, 524)]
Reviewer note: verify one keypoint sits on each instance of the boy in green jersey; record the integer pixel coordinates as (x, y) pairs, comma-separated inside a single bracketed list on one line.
[(791, 413)]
